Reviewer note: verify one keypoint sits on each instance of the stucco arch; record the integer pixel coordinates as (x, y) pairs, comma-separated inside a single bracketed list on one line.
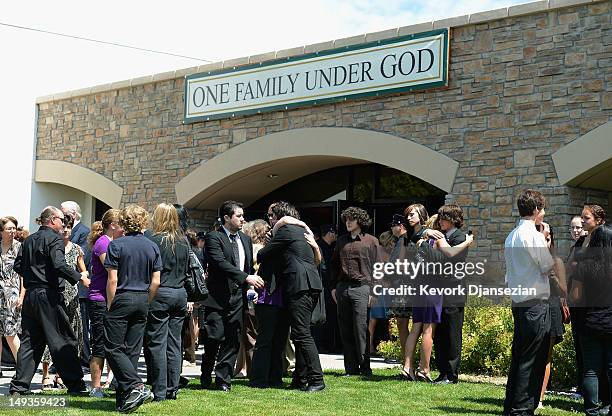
[(257, 167), (78, 177), (587, 161)]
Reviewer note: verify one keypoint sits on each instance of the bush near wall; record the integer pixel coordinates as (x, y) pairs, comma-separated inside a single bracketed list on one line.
[(487, 344)]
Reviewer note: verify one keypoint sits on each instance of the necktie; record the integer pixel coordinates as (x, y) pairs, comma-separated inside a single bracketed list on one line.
[(235, 250)]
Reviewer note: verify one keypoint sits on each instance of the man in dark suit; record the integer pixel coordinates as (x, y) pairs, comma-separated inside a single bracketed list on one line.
[(230, 267), (43, 266), (293, 258), (79, 235), (447, 339)]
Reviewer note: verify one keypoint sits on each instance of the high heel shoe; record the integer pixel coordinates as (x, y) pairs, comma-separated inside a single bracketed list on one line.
[(47, 384), (407, 374), (423, 376), (59, 383)]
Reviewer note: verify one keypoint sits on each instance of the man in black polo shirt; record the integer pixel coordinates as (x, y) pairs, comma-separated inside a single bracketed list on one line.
[(134, 264), (44, 321)]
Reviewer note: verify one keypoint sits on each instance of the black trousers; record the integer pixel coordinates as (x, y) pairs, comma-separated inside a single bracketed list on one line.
[(307, 364), (353, 319), (44, 322), (529, 352), (447, 342), (86, 332), (272, 334), (222, 342), (97, 310), (164, 326), (124, 326)]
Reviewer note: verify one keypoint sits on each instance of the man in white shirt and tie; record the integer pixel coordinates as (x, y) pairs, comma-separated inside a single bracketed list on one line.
[(528, 263)]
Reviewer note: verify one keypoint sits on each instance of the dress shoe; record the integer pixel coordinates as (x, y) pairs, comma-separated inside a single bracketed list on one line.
[(315, 387), (226, 388), (171, 395), (297, 385), (183, 382), (82, 390), (205, 382), (366, 373)]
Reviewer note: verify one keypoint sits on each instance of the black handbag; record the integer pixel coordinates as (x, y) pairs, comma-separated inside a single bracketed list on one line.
[(195, 282), (319, 316)]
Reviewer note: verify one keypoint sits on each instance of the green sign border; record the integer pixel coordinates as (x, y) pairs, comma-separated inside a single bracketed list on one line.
[(283, 107)]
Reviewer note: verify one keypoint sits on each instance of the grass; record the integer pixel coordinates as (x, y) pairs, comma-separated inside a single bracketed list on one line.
[(383, 394)]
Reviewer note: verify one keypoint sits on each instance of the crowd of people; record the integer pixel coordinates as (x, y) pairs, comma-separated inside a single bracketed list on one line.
[(73, 296)]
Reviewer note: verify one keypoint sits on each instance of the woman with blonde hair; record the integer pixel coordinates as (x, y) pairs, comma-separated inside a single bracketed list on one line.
[(100, 236), (134, 264), (169, 306)]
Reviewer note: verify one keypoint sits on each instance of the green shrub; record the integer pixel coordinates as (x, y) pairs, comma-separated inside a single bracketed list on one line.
[(487, 344)]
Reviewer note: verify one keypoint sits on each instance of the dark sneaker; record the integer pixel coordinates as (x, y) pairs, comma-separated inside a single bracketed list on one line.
[(137, 397)]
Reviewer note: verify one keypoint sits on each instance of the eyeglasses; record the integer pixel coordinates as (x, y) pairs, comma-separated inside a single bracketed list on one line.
[(65, 221)]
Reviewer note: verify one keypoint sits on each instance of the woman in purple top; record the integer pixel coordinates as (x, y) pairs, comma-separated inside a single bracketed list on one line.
[(99, 238)]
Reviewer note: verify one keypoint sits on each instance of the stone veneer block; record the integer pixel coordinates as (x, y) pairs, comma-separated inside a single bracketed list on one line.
[(164, 76), (210, 67), (489, 15), (262, 57), (383, 34), (121, 84), (353, 40), (524, 158), (187, 71), (452, 22), (286, 53), (232, 63), (556, 4), (101, 88), (318, 47), (78, 93), (528, 8), (418, 28), (44, 99), (141, 80)]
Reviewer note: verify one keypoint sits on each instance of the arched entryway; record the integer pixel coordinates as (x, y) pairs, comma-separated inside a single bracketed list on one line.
[(256, 168)]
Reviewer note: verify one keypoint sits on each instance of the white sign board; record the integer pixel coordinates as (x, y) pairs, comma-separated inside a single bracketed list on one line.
[(400, 64)]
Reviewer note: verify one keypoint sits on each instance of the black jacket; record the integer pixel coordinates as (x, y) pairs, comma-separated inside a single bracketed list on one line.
[(594, 269), (293, 260), (42, 261), (225, 281)]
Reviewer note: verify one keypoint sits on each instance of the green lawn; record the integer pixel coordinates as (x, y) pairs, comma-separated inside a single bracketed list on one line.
[(383, 394)]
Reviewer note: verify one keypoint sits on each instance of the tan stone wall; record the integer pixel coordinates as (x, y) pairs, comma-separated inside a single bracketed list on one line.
[(520, 88)]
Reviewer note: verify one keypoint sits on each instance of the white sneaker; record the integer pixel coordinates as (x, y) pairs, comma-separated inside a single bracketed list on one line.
[(97, 393)]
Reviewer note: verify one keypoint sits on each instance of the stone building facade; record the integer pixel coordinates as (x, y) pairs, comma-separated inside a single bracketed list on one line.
[(524, 82)]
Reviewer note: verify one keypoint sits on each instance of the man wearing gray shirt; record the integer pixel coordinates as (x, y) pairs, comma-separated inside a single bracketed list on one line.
[(528, 262)]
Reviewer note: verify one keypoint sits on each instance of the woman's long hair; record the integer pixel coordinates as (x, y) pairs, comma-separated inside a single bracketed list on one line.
[(166, 222)]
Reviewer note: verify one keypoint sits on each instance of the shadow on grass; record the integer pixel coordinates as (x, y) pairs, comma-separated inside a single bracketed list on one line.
[(461, 410), (107, 405), (554, 402)]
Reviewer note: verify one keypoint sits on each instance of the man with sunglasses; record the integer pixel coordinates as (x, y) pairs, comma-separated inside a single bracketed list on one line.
[(43, 266)]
